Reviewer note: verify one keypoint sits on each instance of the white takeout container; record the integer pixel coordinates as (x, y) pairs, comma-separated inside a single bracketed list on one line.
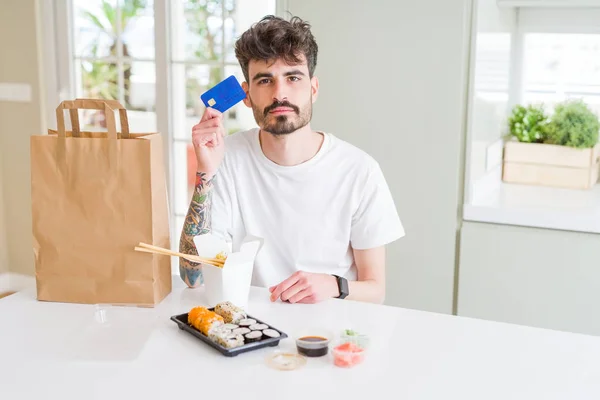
[(231, 282)]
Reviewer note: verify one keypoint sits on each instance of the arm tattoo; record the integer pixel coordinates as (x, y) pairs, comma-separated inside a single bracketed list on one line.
[(197, 220)]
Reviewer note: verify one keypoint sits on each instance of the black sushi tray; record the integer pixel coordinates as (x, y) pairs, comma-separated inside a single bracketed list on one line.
[(182, 321)]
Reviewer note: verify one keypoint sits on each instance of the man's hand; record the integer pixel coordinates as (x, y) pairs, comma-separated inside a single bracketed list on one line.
[(305, 287), (208, 139)]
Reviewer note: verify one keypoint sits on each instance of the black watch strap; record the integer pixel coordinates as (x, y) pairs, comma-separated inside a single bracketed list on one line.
[(342, 287)]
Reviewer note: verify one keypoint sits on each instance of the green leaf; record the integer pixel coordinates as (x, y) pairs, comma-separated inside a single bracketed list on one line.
[(95, 20), (574, 125), (111, 15), (527, 123)]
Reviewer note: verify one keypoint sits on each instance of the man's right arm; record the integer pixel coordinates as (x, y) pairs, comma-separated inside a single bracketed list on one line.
[(208, 140), (198, 218)]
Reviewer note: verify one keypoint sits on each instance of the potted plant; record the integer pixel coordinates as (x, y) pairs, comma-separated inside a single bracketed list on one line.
[(559, 151)]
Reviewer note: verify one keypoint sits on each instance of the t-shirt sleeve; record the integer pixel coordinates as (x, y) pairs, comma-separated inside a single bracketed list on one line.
[(375, 222)]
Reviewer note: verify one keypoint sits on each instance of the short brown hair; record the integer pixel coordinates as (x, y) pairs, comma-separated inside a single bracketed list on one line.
[(275, 38)]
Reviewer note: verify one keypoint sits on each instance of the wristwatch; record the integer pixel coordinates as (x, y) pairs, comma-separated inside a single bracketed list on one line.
[(342, 286)]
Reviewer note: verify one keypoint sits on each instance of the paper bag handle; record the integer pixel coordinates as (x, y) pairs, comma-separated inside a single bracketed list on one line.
[(109, 107)]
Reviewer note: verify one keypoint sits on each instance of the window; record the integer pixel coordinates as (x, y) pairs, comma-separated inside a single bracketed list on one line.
[(560, 66), (203, 34), (491, 87), (527, 55), (113, 58), (131, 50)]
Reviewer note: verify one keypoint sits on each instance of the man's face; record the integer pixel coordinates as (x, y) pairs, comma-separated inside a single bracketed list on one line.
[(281, 95)]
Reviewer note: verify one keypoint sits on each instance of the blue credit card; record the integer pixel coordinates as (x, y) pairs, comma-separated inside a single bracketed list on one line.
[(224, 95)]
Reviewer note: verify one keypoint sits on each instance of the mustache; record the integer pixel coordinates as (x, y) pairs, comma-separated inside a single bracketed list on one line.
[(281, 104)]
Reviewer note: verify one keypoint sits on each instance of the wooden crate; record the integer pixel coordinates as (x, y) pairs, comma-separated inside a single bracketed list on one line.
[(551, 165)]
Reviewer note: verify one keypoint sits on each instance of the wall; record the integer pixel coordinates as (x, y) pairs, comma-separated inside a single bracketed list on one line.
[(3, 246), (393, 78), (544, 278), (18, 121)]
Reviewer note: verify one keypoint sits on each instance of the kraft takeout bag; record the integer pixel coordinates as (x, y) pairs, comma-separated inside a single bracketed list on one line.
[(95, 196)]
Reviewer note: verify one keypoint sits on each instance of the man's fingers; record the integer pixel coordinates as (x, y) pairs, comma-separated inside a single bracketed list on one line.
[(211, 113), (208, 133), (201, 128), (202, 138), (204, 131), (211, 123), (205, 137), (293, 291), (299, 296), (283, 286)]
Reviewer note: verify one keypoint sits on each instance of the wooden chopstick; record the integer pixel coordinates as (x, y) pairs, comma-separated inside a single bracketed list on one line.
[(189, 257), (148, 248)]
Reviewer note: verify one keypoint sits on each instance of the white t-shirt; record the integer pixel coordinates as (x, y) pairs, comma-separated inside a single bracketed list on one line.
[(310, 215)]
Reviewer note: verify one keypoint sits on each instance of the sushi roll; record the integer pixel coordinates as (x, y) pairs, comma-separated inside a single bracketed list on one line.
[(204, 320), (209, 323), (272, 333), (241, 331), (231, 326), (258, 327), (230, 313), (220, 330), (253, 336), (230, 341), (195, 313), (246, 322)]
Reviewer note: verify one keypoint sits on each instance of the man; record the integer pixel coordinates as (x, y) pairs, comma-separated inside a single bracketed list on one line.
[(322, 205)]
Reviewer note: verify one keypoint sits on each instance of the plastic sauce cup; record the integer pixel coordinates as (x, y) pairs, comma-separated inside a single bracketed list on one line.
[(348, 354), (313, 344)]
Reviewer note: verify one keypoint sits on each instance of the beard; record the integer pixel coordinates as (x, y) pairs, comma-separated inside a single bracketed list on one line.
[(279, 125)]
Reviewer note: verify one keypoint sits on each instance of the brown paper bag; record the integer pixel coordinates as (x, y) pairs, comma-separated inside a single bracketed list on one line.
[(95, 196)]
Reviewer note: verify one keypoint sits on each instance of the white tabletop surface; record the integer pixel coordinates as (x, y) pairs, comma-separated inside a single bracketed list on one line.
[(60, 351)]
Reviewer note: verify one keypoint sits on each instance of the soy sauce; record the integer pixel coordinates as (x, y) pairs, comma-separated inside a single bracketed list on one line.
[(311, 346)]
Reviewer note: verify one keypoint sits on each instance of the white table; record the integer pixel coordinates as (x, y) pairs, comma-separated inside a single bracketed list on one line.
[(59, 351)]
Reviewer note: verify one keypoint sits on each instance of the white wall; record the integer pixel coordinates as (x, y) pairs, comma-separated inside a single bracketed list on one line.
[(544, 278), (393, 81)]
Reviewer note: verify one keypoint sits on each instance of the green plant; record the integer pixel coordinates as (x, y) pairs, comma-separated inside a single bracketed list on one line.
[(573, 124), (99, 80), (197, 15), (106, 21), (528, 123)]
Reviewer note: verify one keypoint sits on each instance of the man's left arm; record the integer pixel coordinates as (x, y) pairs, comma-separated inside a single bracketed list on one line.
[(370, 283), (310, 287), (374, 224)]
